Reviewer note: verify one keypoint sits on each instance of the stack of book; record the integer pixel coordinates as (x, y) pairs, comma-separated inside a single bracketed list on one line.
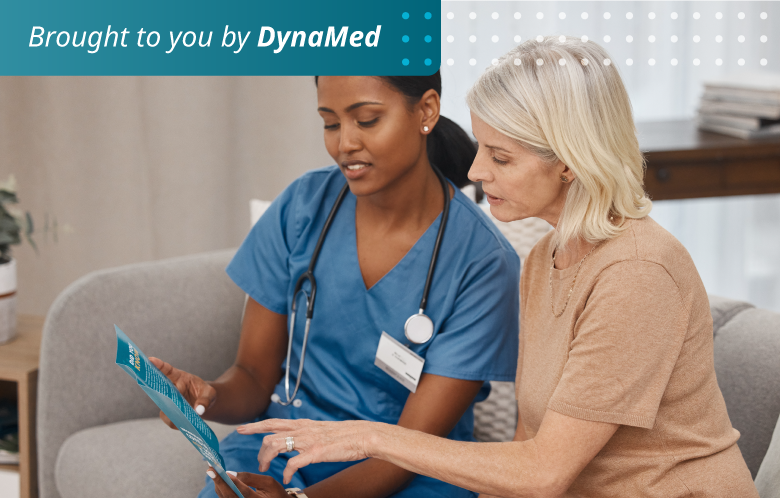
[(9, 434), (744, 106)]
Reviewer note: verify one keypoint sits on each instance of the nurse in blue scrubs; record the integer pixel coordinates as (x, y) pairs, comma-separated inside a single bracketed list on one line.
[(384, 133)]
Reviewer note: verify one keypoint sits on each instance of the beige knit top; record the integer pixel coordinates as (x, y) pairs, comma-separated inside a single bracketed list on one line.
[(634, 347)]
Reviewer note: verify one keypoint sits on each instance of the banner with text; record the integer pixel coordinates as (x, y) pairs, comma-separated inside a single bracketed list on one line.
[(174, 37)]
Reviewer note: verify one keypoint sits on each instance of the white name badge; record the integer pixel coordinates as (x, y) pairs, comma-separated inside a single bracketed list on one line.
[(399, 362)]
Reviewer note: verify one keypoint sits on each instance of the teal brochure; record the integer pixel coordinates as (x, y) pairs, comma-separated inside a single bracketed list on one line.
[(171, 402)]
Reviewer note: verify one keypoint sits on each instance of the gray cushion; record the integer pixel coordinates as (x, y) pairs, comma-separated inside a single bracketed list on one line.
[(747, 363), (724, 309), (495, 418), (768, 478), (184, 310), (136, 458)]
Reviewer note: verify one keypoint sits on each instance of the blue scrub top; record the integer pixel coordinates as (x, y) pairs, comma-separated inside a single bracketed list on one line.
[(473, 302)]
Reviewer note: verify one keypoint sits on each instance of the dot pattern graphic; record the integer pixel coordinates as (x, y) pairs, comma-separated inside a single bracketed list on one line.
[(413, 41), (623, 32)]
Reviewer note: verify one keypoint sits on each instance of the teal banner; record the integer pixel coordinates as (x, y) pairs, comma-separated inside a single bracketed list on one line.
[(195, 37)]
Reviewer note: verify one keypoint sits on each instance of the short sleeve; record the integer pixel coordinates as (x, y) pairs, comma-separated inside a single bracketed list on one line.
[(478, 341), (260, 267), (626, 344)]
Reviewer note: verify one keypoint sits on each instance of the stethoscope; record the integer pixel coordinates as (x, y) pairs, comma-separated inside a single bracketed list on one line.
[(418, 327)]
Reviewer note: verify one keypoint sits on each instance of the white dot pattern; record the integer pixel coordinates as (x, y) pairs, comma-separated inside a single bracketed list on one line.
[(634, 45)]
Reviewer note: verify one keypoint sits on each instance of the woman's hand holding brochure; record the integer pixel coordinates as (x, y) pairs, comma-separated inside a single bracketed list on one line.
[(198, 393), (265, 486)]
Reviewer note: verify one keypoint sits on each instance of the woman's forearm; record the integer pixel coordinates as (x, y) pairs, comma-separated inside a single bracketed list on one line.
[(240, 397), (369, 479), (498, 469)]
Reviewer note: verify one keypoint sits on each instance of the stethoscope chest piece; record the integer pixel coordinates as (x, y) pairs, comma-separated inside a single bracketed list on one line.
[(419, 328)]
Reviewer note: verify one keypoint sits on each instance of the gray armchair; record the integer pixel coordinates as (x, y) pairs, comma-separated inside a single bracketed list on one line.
[(99, 435)]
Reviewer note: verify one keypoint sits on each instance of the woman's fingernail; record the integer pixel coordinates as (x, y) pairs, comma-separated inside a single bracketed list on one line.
[(200, 409), (232, 473), (211, 474)]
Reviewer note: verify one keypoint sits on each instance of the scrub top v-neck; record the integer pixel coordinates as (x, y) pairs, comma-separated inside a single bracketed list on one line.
[(474, 302)]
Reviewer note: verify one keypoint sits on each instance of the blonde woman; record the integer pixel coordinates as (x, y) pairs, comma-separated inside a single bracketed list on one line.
[(616, 387)]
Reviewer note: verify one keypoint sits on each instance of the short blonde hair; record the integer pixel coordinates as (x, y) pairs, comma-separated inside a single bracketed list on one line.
[(563, 99)]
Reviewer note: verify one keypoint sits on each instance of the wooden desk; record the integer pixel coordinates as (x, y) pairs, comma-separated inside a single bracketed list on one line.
[(19, 380), (683, 162)]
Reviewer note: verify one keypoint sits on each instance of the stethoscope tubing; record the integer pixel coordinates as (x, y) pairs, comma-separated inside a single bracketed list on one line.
[(435, 256), (309, 276)]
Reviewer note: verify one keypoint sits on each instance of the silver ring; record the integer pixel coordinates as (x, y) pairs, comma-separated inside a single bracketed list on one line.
[(290, 444)]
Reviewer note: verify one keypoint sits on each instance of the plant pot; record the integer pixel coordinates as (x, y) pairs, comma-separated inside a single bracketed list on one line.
[(7, 301)]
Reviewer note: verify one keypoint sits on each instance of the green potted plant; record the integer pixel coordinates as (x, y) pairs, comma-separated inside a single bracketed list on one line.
[(12, 226)]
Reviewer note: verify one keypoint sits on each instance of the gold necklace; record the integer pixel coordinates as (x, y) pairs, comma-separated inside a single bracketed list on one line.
[(552, 306)]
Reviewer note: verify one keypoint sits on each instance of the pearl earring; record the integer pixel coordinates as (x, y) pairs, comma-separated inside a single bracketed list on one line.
[(425, 128)]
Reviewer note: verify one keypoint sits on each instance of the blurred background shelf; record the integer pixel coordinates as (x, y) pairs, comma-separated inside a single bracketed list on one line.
[(684, 162), (18, 381)]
